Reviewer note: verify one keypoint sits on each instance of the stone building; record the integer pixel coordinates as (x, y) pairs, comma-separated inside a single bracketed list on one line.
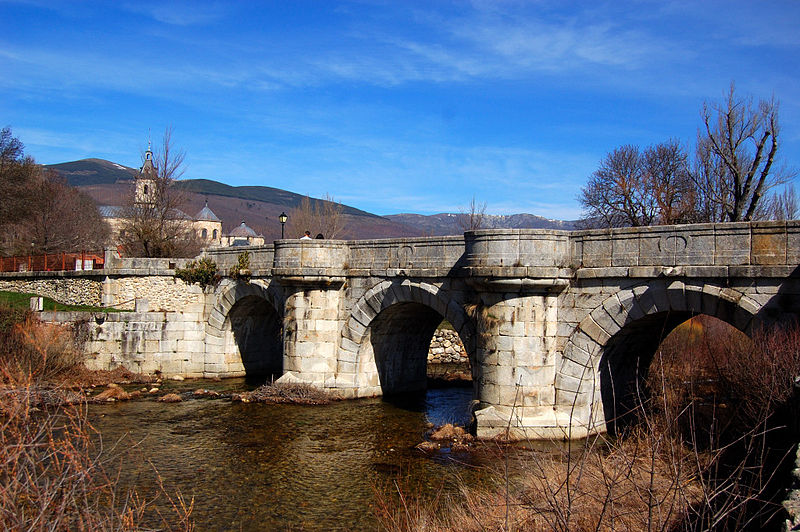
[(243, 235), (205, 224)]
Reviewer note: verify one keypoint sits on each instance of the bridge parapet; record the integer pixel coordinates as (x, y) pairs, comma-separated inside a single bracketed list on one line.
[(770, 249), (517, 253), (310, 259), (261, 258), (426, 256)]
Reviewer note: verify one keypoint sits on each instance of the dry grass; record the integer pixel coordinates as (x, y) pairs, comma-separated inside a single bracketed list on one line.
[(54, 470), (703, 456)]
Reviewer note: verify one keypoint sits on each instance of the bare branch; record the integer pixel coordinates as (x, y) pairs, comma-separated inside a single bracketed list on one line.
[(473, 217)]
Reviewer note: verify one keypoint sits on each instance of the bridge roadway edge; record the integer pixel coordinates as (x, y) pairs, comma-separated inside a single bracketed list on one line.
[(538, 308)]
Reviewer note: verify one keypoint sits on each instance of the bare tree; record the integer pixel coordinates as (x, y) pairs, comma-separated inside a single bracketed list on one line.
[(17, 171), (736, 154), (473, 217), (667, 178), (63, 218), (319, 216), (617, 194), (155, 225), (39, 212), (784, 204)]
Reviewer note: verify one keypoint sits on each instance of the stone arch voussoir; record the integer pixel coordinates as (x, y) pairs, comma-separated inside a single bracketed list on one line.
[(230, 292), (585, 346), (388, 293)]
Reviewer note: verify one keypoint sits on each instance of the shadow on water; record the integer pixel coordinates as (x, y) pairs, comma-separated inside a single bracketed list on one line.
[(439, 405)]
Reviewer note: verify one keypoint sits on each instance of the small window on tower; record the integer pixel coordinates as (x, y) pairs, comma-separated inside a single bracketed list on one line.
[(215, 234), (204, 233), (145, 190)]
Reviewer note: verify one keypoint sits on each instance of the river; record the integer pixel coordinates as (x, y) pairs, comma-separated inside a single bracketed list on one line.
[(268, 467)]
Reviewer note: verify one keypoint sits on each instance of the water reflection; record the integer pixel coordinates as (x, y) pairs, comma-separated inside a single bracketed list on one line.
[(257, 467)]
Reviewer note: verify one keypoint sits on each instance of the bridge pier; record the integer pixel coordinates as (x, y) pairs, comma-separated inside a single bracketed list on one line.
[(516, 359), (311, 330)]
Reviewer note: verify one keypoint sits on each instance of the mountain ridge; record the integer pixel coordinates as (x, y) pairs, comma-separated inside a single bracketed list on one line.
[(109, 183)]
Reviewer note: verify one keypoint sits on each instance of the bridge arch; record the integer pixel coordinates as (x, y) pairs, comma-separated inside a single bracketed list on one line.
[(385, 339), (610, 350), (245, 330)]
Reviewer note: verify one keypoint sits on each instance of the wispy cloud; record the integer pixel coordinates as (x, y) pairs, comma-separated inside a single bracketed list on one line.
[(180, 13)]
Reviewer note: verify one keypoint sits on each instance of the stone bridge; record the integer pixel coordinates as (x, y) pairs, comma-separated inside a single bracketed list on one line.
[(558, 325)]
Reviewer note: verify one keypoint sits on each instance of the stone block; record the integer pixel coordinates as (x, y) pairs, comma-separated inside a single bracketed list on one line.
[(602, 318), (694, 299), (168, 346), (590, 328), (566, 383), (597, 252), (692, 247), (625, 250), (675, 295), (191, 346), (577, 355), (732, 244)]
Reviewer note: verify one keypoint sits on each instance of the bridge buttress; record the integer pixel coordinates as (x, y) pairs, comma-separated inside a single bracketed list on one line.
[(516, 363), (311, 331)]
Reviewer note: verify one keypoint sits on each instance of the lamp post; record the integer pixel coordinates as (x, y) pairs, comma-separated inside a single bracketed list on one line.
[(282, 219)]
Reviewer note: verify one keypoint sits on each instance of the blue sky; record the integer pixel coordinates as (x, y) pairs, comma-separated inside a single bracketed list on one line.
[(389, 106)]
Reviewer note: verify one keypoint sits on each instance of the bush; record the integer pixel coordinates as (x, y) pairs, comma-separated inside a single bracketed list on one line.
[(40, 351), (706, 454), (202, 272), (241, 270), (55, 477)]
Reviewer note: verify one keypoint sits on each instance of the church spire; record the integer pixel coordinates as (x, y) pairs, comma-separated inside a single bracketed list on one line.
[(145, 181)]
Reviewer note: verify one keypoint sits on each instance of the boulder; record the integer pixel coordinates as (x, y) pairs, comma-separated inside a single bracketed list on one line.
[(170, 398), (113, 392)]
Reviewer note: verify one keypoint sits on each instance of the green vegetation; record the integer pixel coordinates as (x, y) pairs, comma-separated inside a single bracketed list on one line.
[(203, 272), (241, 270), (446, 325), (21, 300)]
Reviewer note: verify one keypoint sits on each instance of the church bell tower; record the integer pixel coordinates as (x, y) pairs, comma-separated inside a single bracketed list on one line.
[(146, 180)]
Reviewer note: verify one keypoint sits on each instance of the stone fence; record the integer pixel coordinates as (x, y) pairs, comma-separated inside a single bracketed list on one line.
[(75, 288), (446, 348)]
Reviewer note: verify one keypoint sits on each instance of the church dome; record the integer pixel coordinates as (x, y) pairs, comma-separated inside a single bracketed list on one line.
[(243, 231)]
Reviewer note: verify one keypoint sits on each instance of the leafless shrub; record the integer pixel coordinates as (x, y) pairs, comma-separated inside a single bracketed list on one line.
[(42, 351), (56, 476), (473, 216), (285, 392), (701, 457), (323, 216)]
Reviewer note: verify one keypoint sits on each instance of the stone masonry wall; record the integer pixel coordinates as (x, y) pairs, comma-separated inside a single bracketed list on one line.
[(171, 343), (446, 348), (163, 292), (69, 290)]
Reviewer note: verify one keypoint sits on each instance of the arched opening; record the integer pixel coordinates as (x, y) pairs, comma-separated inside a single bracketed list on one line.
[(204, 233), (401, 338), (258, 337), (664, 358), (697, 385), (625, 363), (214, 234)]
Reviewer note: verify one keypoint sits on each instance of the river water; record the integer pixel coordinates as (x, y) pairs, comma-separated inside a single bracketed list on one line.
[(274, 467)]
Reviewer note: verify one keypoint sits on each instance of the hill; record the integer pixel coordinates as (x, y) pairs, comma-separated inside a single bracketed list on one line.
[(93, 172), (259, 206)]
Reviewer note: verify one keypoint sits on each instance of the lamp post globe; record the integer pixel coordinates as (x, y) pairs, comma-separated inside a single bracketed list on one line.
[(282, 218)]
